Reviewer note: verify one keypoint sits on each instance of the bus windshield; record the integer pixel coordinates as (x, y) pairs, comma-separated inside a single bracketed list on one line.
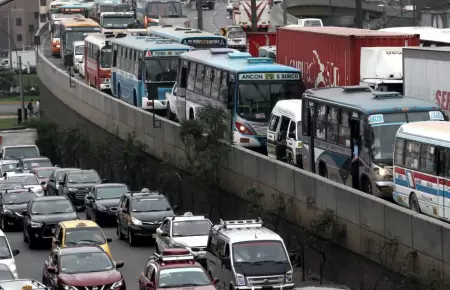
[(256, 99), (166, 8), (161, 69), (106, 56), (72, 36), (117, 21)]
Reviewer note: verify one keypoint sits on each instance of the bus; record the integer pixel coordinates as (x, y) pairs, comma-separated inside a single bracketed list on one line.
[(247, 86), (116, 21), (101, 7), (97, 60), (55, 31), (75, 29), (148, 12), (144, 69), (429, 36), (334, 118), (189, 36), (137, 32), (53, 6), (74, 9)]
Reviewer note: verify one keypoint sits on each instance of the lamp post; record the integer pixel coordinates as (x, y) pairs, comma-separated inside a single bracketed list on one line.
[(10, 10)]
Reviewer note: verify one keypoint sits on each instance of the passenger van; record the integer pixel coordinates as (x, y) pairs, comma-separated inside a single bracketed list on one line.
[(284, 132), (244, 255)]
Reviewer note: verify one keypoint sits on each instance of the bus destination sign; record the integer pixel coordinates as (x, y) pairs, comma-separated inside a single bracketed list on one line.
[(166, 53), (217, 42), (269, 76), (72, 10)]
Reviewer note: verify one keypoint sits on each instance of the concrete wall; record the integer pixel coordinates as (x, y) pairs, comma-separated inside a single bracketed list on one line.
[(362, 221)]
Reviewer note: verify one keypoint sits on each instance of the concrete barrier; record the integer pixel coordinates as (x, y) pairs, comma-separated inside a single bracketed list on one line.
[(363, 224)]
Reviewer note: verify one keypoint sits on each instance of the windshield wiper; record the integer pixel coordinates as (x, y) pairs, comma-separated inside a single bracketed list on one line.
[(57, 212), (89, 241)]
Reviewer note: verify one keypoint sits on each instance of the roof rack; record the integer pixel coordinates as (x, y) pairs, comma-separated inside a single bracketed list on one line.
[(193, 31), (356, 89), (138, 193), (236, 224), (221, 50), (259, 60), (167, 25), (384, 95), (182, 28), (239, 55), (174, 254)]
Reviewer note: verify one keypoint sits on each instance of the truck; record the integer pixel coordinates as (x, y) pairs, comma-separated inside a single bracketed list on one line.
[(174, 20), (18, 143), (330, 56), (257, 39), (242, 15), (382, 68), (236, 37), (425, 71), (28, 61)]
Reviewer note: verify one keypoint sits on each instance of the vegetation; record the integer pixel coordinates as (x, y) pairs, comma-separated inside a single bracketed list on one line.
[(9, 123), (9, 84), (16, 99)]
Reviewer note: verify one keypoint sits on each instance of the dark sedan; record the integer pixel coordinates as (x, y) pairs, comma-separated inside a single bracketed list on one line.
[(26, 164), (76, 184), (54, 179), (12, 203), (102, 201)]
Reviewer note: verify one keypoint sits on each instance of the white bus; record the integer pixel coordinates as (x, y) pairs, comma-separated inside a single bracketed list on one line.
[(429, 36), (422, 168), (55, 35)]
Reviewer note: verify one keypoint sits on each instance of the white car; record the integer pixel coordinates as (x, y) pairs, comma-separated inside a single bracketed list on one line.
[(7, 255), (81, 67), (7, 167), (28, 180), (229, 5)]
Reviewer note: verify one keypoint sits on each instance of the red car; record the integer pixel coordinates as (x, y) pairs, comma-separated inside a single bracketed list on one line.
[(175, 269), (43, 174), (83, 267)]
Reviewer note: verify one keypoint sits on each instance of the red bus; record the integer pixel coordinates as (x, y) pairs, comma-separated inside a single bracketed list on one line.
[(98, 56)]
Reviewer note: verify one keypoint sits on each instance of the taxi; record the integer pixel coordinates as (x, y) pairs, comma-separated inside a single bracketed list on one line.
[(80, 232)]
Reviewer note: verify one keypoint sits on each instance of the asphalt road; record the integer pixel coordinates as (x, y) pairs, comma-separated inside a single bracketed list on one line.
[(9, 109)]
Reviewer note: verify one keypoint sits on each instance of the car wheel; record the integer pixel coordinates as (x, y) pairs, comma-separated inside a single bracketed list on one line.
[(4, 226), (131, 238), (119, 232), (31, 242), (25, 239), (87, 215)]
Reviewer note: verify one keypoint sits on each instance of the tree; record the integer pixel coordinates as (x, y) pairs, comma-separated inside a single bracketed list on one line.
[(6, 81)]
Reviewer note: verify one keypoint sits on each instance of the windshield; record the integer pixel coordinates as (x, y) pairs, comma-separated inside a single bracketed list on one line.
[(6, 186), (260, 251), (60, 173), (83, 177), (183, 277), (5, 253), (79, 236), (21, 197), (312, 23), (85, 263), (106, 8), (5, 274), (56, 31), (72, 36), (156, 9), (20, 152), (105, 57), (52, 207), (79, 50), (161, 69), (9, 167), (149, 204), (256, 100), (44, 173), (117, 21), (25, 180), (191, 228), (28, 165), (111, 192), (237, 34)]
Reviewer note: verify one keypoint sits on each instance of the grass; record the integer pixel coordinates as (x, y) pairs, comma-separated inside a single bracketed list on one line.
[(8, 123), (17, 98)]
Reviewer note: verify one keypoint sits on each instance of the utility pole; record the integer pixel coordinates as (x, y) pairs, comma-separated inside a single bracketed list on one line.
[(9, 39), (414, 13), (359, 14), (199, 14), (284, 6), (22, 101), (254, 19)]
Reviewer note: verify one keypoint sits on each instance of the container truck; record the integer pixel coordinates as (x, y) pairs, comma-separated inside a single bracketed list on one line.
[(242, 15), (330, 56), (382, 67), (425, 75), (28, 59), (257, 39)]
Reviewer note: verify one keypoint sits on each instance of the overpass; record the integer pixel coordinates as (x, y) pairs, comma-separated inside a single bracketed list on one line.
[(361, 219)]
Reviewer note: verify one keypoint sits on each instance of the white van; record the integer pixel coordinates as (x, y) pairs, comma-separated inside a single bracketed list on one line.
[(284, 132), (7, 255), (78, 53)]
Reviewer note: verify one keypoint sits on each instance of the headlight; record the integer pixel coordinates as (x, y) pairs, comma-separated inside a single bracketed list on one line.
[(101, 207), (135, 221), (36, 225), (58, 46), (117, 284), (382, 172), (73, 189), (240, 279), (67, 287), (289, 276)]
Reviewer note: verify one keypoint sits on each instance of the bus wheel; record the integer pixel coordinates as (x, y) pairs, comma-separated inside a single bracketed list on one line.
[(366, 186), (191, 114), (414, 203), (323, 170)]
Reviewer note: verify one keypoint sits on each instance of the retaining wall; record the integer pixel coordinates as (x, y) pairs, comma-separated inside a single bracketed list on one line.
[(363, 222)]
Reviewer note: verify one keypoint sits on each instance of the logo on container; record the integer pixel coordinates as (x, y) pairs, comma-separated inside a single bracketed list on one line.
[(443, 99)]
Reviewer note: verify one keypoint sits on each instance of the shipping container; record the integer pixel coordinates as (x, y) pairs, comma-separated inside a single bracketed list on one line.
[(330, 56), (425, 75), (257, 39)]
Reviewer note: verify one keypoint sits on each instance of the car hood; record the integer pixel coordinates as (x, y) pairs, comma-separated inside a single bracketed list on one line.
[(152, 216), (91, 279), (16, 207), (54, 218), (43, 180), (266, 269), (114, 202), (207, 287), (193, 241), (81, 185)]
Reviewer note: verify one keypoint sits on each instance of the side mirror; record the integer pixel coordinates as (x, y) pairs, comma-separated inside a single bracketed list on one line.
[(104, 180), (215, 281), (294, 257), (291, 135), (61, 183), (109, 240), (164, 234), (51, 269), (24, 213), (150, 284), (226, 262), (57, 242), (15, 252), (42, 182), (68, 60), (119, 264), (90, 198), (51, 180)]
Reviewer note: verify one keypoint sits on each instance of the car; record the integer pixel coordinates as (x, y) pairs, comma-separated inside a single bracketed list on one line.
[(43, 175), (29, 181), (5, 273), (7, 166), (189, 231), (230, 6), (12, 203), (76, 184), (102, 201), (7, 254), (140, 214), (43, 215), (24, 284), (83, 267), (26, 164), (80, 232), (81, 67), (16, 152), (54, 179), (10, 184), (175, 269)]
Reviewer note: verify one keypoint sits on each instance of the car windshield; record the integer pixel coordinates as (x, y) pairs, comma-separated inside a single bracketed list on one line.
[(312, 23), (111, 192), (257, 99), (149, 204), (106, 56), (9, 167), (83, 177), (24, 179), (107, 8), (166, 8), (183, 277), (5, 274), (117, 21), (237, 34), (5, 253), (28, 165), (85, 263), (44, 173), (191, 228), (79, 50), (81, 236), (161, 69), (20, 197), (20, 152), (259, 251), (60, 174), (51, 207), (5, 186)]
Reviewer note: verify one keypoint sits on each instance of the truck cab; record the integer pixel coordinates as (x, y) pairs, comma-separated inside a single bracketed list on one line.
[(268, 51), (310, 22), (236, 37)]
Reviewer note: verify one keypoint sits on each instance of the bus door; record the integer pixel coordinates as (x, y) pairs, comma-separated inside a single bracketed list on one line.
[(307, 137), (180, 89), (443, 169)]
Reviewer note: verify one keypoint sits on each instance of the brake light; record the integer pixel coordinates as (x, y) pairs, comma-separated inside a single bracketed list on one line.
[(243, 128)]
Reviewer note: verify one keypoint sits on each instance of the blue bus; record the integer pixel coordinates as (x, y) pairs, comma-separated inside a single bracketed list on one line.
[(249, 87), (74, 9), (189, 36), (144, 69)]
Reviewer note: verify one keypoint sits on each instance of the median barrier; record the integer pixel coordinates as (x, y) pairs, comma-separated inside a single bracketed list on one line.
[(361, 220)]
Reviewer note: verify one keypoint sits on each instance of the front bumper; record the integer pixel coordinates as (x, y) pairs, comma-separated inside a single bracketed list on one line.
[(144, 230), (106, 215), (13, 219), (105, 87), (289, 286), (43, 233), (148, 104), (383, 189)]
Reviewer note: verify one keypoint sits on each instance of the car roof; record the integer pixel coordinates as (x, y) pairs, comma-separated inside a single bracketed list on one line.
[(8, 161), (110, 185), (40, 198), (144, 194), (35, 158), (43, 168), (78, 224), (23, 174), (8, 191), (66, 169), (80, 249), (83, 171)]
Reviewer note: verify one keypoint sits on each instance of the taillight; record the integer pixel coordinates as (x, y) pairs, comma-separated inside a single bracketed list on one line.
[(243, 129)]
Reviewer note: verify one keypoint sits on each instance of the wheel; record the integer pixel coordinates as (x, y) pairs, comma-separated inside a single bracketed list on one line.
[(25, 239), (323, 170), (290, 160), (414, 203), (131, 238), (191, 114), (87, 215), (135, 99), (169, 114), (4, 226), (119, 232), (31, 243), (366, 186)]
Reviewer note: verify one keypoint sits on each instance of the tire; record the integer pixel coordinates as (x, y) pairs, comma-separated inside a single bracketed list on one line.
[(87, 215), (191, 114), (290, 160), (31, 243), (169, 114), (25, 239), (366, 186), (4, 226), (414, 203), (119, 232), (323, 170), (131, 238), (135, 99)]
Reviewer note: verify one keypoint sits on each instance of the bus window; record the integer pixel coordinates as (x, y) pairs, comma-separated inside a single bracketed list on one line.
[(412, 155), (332, 128), (399, 152), (207, 82), (224, 97), (428, 159), (199, 78), (215, 87), (191, 78), (447, 163)]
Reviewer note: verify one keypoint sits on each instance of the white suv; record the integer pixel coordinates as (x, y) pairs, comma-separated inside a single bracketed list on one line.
[(7, 255)]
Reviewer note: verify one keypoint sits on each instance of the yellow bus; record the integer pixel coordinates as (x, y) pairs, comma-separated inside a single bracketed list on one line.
[(75, 29), (55, 31)]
